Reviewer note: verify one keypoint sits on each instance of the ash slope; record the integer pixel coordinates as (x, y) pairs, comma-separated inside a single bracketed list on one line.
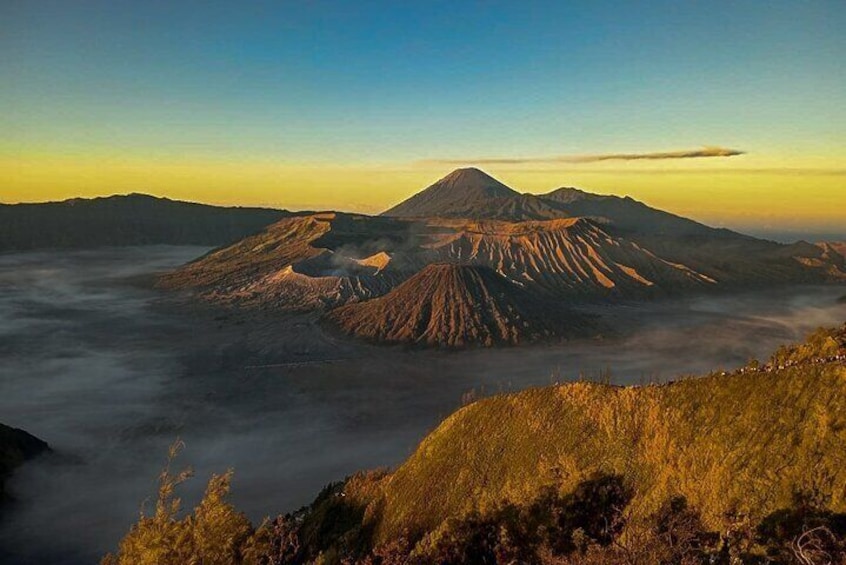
[(568, 246), (572, 258), (322, 261), (303, 263), (457, 306)]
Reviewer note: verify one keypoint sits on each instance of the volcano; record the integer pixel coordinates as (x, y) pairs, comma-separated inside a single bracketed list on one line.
[(469, 261), (460, 194), (457, 306)]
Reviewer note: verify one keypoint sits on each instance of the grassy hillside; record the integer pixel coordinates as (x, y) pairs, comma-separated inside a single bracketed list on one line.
[(748, 467), (737, 443)]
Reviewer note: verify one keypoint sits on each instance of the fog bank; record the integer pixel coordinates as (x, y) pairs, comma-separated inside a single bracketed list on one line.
[(110, 372)]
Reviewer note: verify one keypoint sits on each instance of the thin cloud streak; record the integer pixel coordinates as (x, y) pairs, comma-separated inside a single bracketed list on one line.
[(684, 154)]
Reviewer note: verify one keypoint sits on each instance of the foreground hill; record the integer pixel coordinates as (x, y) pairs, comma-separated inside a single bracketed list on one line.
[(456, 306), (746, 467), (16, 447), (134, 219), (741, 443)]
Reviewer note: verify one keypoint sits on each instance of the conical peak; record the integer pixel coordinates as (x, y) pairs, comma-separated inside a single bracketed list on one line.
[(465, 192), (470, 173), (471, 178)]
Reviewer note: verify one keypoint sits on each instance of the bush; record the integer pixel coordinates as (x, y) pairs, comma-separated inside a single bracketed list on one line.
[(213, 534), (805, 528)]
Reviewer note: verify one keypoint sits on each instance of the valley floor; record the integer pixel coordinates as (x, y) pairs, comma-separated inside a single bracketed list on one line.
[(109, 372)]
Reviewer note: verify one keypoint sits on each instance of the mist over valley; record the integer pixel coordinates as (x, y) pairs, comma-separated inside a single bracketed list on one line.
[(109, 371)]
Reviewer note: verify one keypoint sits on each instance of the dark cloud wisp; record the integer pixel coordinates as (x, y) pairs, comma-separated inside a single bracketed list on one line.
[(593, 158)]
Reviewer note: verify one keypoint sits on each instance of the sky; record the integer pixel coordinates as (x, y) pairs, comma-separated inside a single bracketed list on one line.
[(357, 105)]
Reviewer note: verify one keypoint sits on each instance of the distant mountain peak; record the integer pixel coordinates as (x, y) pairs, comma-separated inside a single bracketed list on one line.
[(472, 175), (472, 179), (460, 193), (567, 194)]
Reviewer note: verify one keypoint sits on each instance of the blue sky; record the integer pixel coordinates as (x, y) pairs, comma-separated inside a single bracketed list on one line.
[(318, 104), (386, 81)]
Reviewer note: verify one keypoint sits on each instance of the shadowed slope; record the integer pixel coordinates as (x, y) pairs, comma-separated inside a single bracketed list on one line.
[(134, 219), (455, 306), (627, 215), (460, 194), (17, 447)]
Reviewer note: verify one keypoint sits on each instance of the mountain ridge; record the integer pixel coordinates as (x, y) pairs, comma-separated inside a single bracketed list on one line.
[(129, 219), (567, 247)]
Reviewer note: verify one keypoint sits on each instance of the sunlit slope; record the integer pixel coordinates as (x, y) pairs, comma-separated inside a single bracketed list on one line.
[(300, 263), (741, 443), (572, 257), (457, 306), (329, 259), (826, 257), (566, 247), (731, 258)]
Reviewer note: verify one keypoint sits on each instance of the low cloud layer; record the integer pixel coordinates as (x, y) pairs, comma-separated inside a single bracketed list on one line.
[(684, 154), (110, 373)]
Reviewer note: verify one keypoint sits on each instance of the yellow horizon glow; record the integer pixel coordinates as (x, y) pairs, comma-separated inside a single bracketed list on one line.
[(774, 193)]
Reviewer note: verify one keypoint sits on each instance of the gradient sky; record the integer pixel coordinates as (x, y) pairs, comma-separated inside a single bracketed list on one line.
[(351, 105)]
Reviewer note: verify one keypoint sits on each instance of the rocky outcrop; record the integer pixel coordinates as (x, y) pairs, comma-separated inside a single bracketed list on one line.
[(17, 447)]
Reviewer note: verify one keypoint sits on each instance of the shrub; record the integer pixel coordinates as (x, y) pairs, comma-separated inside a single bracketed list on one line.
[(212, 535)]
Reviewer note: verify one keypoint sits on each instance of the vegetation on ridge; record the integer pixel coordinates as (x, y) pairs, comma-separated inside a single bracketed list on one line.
[(743, 467)]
